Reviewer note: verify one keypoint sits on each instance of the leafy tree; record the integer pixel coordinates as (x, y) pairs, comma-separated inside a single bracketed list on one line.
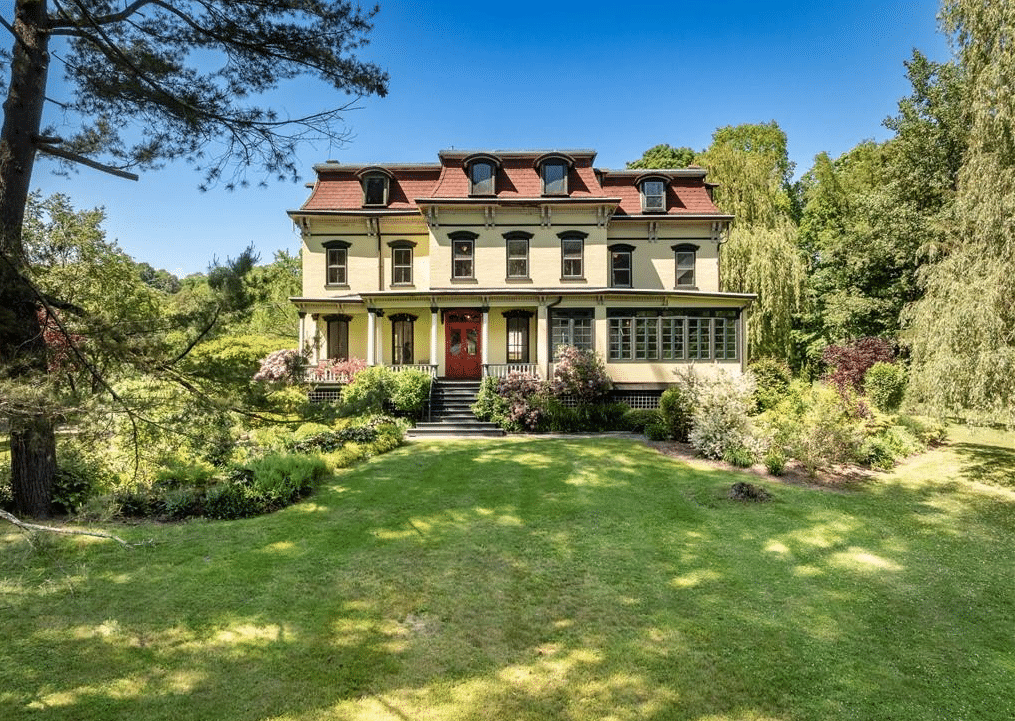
[(963, 328), (664, 156), (752, 167), (144, 88)]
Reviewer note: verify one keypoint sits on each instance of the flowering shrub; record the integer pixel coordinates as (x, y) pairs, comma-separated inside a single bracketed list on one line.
[(580, 374), (282, 366), (849, 363), (343, 370), (720, 422), (520, 392)]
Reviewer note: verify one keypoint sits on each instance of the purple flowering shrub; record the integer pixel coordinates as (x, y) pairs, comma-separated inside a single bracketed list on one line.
[(344, 370), (580, 374), (286, 366), (514, 403)]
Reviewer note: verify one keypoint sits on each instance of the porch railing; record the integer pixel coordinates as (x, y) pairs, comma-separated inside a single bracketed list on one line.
[(501, 370), (330, 375)]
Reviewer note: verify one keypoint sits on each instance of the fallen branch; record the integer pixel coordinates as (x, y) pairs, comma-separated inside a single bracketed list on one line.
[(52, 529)]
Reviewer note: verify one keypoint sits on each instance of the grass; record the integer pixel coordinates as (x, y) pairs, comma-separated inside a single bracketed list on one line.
[(536, 579)]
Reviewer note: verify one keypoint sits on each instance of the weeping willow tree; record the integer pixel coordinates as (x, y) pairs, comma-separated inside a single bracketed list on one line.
[(751, 165), (962, 331)]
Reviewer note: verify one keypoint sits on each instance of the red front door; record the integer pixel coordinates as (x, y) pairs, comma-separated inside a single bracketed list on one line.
[(462, 354)]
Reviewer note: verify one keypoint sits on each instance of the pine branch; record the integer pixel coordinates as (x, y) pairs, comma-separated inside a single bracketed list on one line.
[(71, 531)]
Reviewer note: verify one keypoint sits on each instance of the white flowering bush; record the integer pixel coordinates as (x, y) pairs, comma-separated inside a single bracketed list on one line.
[(721, 423), (282, 366)]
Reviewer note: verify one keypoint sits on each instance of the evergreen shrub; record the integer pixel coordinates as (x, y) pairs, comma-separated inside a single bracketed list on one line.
[(411, 391), (637, 419), (772, 377), (884, 384)]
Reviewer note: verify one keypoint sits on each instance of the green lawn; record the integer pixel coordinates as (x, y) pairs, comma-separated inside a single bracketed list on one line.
[(537, 579)]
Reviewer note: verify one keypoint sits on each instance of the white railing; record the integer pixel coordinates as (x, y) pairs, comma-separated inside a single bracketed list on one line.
[(501, 370), (330, 375)]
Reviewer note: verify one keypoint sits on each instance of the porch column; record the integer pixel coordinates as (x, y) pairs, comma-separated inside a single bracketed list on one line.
[(486, 338), (315, 348), (301, 330), (380, 339), (542, 341), (371, 340), (434, 322)]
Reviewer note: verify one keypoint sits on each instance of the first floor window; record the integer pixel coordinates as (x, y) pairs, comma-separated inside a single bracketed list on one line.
[(518, 336), (572, 327), (338, 337), (661, 334), (338, 265), (402, 343)]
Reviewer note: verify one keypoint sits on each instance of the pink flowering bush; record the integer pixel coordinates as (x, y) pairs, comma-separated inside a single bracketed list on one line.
[(282, 366), (343, 370), (514, 403), (580, 374)]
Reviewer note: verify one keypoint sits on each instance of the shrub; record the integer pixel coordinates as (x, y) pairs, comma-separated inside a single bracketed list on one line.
[(772, 377), (580, 374), (411, 391), (184, 474), (720, 422), (281, 480), (344, 370), (180, 503), (489, 405), (369, 391), (583, 418), (636, 419), (739, 456), (676, 405), (284, 367), (229, 500), (775, 461), (519, 403), (848, 363), (657, 431), (884, 385), (927, 430), (80, 475)]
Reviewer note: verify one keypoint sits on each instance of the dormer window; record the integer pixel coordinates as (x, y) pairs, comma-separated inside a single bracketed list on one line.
[(376, 182), (482, 174), (554, 174), (653, 196)]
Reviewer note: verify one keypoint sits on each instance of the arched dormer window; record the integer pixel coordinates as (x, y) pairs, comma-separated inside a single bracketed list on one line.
[(553, 171), (376, 183), (482, 172), (653, 193)]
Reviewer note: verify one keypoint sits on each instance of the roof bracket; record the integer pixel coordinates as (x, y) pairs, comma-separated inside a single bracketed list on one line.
[(653, 230), (431, 217), (545, 216)]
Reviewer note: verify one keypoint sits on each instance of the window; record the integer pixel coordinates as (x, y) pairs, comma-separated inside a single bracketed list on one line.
[(572, 254), (338, 336), (554, 175), (517, 335), (402, 344), (463, 248), (401, 262), (517, 254), (337, 262), (375, 189), (571, 327), (661, 334), (621, 266), (685, 256), (482, 174), (653, 196)]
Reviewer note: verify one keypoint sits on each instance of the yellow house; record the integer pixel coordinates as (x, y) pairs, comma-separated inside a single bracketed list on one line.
[(486, 262)]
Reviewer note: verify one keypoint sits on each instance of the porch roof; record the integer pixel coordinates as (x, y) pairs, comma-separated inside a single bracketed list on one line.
[(535, 293)]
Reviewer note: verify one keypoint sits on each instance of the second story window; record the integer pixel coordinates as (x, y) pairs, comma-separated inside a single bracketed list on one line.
[(572, 255), (653, 196), (554, 175), (482, 174), (337, 262), (463, 255), (401, 262), (375, 189), (517, 254), (621, 266), (685, 256)]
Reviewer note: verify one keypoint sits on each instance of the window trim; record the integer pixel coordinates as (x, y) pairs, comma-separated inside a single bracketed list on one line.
[(627, 249), (409, 321), (403, 245), (518, 315), (645, 206), (517, 236), (336, 245), (720, 328), (572, 235), (482, 159), (685, 248), (571, 315), (463, 236), (554, 163)]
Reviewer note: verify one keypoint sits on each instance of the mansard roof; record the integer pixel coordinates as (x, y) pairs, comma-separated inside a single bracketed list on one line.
[(338, 188)]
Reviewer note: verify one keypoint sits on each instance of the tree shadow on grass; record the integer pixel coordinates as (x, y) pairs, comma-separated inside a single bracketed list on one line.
[(993, 465)]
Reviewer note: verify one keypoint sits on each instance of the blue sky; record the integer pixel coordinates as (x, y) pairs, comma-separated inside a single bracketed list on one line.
[(615, 77)]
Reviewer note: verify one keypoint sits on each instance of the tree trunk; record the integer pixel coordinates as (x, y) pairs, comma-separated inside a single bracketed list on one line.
[(22, 347)]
